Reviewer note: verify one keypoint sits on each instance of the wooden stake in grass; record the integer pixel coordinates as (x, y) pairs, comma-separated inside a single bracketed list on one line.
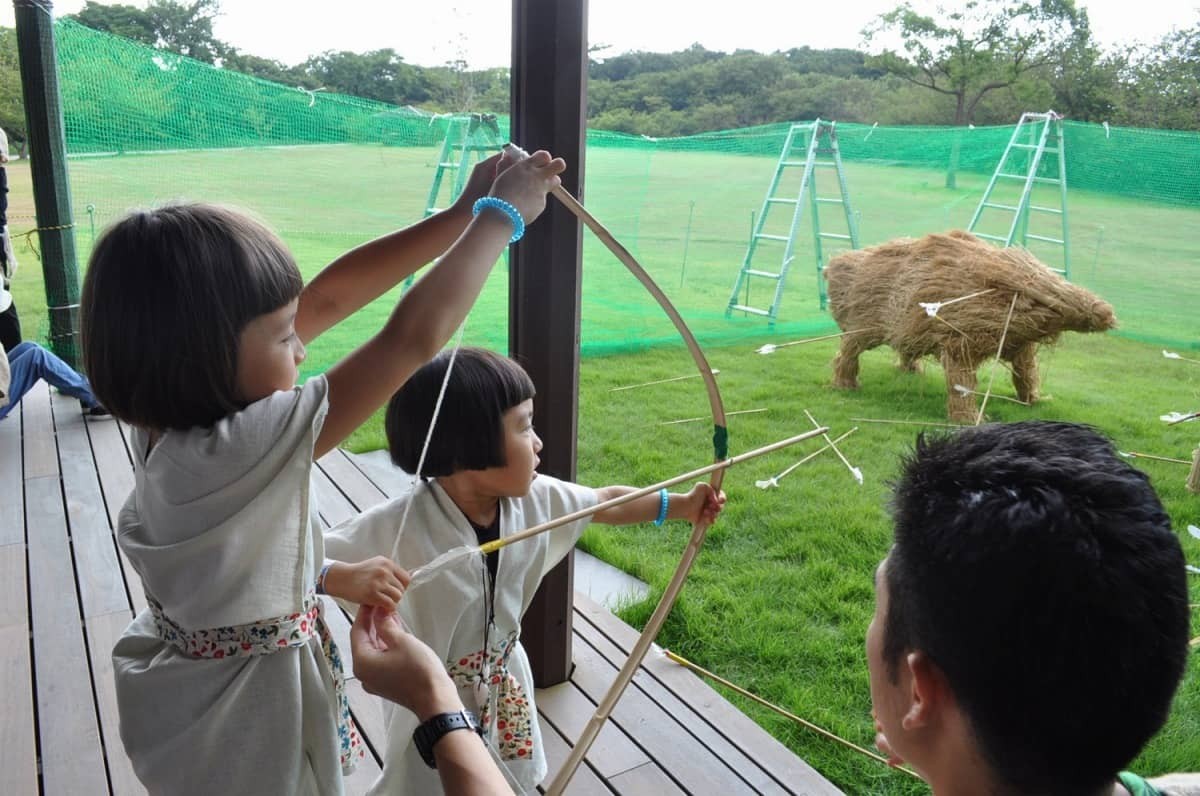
[(999, 350), (660, 381), (771, 348), (774, 480), (684, 662), (854, 471)]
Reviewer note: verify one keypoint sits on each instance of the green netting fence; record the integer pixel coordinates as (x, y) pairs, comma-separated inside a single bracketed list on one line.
[(329, 172)]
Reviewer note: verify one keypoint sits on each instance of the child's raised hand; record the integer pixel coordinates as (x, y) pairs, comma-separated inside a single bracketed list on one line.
[(526, 183), (704, 504), (376, 581), (480, 181)]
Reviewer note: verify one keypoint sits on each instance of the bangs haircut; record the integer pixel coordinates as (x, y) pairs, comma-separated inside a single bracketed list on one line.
[(1040, 573), (167, 294), (469, 434)]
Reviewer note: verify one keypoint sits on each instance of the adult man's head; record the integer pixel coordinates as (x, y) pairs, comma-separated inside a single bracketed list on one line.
[(1032, 617)]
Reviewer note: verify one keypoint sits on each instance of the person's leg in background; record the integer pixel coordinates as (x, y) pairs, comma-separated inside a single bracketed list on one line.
[(29, 362)]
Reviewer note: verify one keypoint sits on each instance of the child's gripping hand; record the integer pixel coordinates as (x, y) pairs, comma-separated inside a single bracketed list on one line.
[(480, 181), (376, 581), (703, 503), (525, 184)]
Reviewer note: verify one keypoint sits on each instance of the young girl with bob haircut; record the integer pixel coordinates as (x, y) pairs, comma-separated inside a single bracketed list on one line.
[(478, 484), (195, 320)]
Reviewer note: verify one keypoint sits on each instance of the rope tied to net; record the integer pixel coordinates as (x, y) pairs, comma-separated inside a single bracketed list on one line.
[(28, 236)]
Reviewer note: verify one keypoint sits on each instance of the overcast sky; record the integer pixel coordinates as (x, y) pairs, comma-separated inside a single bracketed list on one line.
[(432, 32)]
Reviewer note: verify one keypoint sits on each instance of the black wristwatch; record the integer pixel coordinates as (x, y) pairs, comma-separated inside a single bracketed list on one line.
[(436, 727)]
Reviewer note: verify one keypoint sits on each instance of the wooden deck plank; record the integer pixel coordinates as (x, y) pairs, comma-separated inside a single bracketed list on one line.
[(103, 631), (18, 745), (648, 779), (69, 734), (738, 728), (41, 456), (567, 710), (98, 572), (116, 482), (104, 601), (664, 739), (358, 489), (688, 720), (12, 507), (585, 782)]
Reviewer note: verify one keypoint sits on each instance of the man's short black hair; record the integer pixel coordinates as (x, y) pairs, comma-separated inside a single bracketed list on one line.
[(167, 294), (1040, 573), (469, 434)]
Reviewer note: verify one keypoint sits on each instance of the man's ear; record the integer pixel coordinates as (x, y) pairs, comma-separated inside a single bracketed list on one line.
[(929, 693)]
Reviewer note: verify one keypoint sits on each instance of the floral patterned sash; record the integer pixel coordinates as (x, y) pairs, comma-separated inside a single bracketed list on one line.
[(263, 638), (513, 731)]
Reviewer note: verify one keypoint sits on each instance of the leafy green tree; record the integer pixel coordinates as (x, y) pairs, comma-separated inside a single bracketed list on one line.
[(129, 22), (181, 27), (12, 105), (379, 75), (967, 51), (1161, 84)]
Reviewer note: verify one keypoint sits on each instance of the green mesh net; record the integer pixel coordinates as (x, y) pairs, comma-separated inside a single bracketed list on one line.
[(329, 172)]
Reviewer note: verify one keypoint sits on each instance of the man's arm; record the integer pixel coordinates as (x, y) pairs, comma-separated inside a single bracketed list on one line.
[(399, 667)]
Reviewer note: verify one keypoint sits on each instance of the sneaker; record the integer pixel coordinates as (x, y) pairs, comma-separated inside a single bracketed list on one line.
[(97, 411)]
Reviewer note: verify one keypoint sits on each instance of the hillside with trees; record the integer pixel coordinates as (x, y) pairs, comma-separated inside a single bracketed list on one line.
[(981, 63)]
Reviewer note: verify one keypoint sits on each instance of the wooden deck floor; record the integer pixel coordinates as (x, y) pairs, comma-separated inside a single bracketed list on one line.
[(67, 593)]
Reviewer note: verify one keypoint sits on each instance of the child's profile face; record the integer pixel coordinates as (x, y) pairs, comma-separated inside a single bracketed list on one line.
[(521, 448), (269, 354)]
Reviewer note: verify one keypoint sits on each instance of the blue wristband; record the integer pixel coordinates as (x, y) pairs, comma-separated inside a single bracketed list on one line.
[(514, 215), (664, 500), (321, 578)]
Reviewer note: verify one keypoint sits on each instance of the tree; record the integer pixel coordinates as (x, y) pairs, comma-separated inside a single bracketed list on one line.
[(971, 50), (1161, 85), (12, 105), (181, 27), (976, 48)]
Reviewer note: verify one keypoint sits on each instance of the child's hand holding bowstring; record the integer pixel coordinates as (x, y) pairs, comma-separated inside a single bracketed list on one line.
[(376, 581)]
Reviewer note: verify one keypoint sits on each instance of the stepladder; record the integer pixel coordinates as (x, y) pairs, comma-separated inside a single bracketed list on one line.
[(469, 139), (776, 236), (1025, 202)]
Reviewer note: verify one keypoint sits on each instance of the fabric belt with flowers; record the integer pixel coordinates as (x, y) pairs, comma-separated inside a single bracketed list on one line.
[(263, 638)]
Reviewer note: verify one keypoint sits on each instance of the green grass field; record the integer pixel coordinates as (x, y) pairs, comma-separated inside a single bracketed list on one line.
[(781, 594)]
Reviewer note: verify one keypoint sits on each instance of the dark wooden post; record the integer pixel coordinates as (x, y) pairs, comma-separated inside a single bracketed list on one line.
[(549, 103), (48, 168)]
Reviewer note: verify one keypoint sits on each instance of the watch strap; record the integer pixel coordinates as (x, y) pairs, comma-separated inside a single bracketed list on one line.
[(433, 729)]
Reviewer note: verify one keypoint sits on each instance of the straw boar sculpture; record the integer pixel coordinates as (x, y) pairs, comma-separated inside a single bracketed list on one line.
[(878, 294)]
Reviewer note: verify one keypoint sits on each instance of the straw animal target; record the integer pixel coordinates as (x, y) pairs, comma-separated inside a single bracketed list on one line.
[(952, 296)]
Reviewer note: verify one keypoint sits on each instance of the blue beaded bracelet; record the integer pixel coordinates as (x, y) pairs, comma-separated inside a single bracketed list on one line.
[(664, 500), (514, 215)]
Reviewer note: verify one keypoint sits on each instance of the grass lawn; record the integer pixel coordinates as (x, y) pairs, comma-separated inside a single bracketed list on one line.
[(782, 592)]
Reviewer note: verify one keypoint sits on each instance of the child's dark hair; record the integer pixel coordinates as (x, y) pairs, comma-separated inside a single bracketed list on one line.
[(469, 434), (1039, 572), (167, 294)]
